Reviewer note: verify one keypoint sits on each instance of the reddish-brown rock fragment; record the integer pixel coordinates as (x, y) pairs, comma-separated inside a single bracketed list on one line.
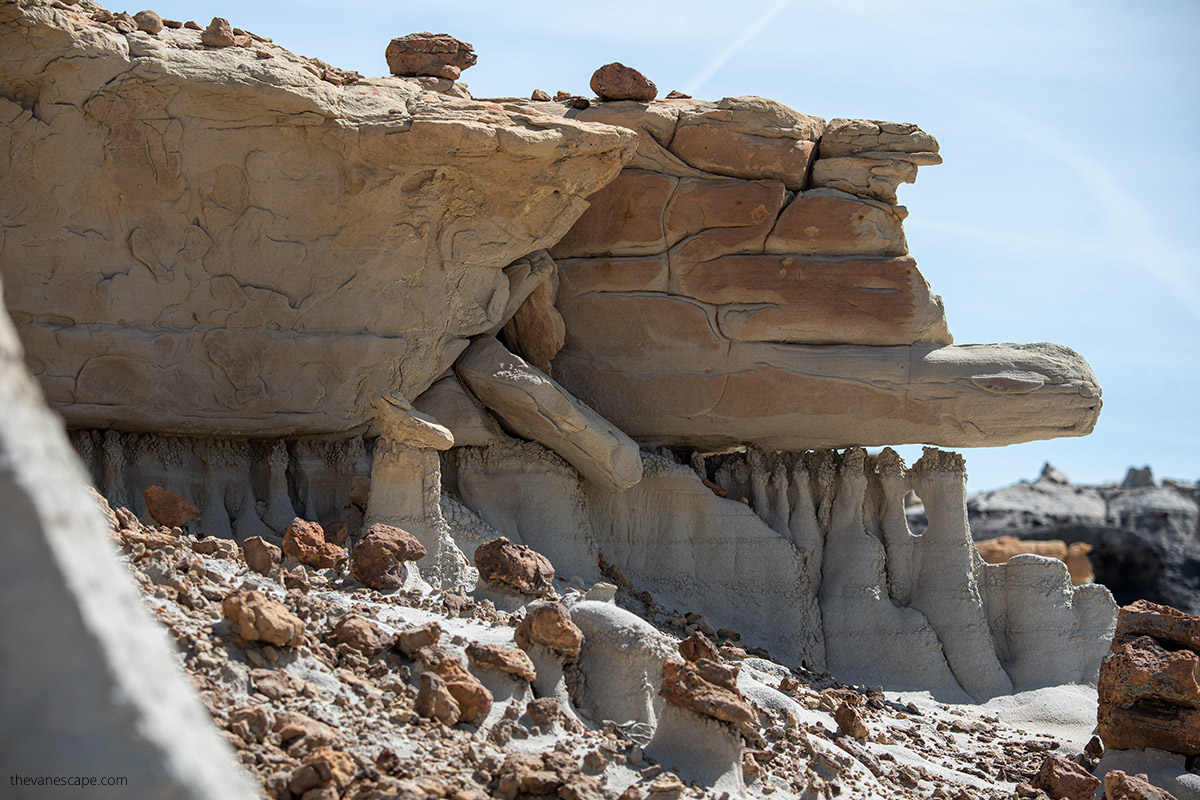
[(305, 542), (435, 54), (148, 21), (849, 721), (473, 699), (685, 686), (261, 556), (513, 662), (361, 634), (376, 559), (1120, 786), (698, 646), (168, 508), (434, 700), (1061, 777), (262, 620), (219, 33), (616, 81), (514, 566), (1149, 686), (550, 624), (410, 640)]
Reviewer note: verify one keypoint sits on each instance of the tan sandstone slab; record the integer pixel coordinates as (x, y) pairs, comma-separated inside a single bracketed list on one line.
[(829, 222), (625, 218), (628, 324), (579, 275), (848, 137), (748, 137), (795, 397), (253, 249), (536, 407), (873, 177), (881, 301), (699, 204)]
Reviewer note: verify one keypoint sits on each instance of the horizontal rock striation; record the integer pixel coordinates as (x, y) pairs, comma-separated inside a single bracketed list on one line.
[(771, 299), (252, 248), (280, 290)]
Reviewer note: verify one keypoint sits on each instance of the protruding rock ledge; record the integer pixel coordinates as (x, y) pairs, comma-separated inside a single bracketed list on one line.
[(795, 397)]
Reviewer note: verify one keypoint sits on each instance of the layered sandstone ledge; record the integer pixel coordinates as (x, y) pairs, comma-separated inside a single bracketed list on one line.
[(281, 290), (265, 241)]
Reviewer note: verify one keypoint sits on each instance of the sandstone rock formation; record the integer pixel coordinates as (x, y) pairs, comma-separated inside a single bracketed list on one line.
[(536, 407), (314, 302), (1150, 681), (750, 314), (260, 252)]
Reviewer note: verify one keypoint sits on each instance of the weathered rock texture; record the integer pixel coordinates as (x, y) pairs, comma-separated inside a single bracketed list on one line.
[(89, 684), (281, 291), (438, 55), (1149, 687), (252, 249), (809, 555), (756, 262)]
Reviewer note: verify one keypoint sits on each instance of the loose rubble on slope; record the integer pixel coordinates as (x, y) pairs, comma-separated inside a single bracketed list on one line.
[(490, 442), (337, 694)]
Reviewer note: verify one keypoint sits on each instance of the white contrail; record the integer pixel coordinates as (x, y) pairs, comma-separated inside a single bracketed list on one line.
[(737, 44)]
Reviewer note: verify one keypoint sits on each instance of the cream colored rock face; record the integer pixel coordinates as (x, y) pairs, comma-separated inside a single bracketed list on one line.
[(201, 241)]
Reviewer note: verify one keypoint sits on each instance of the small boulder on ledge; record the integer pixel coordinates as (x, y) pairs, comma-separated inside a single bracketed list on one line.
[(219, 33), (439, 55), (148, 21), (514, 566), (616, 81), (376, 559)]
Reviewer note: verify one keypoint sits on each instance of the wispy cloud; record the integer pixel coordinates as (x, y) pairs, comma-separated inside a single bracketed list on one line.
[(737, 44)]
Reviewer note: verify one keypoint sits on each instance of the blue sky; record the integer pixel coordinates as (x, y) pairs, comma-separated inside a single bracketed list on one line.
[(1065, 211)]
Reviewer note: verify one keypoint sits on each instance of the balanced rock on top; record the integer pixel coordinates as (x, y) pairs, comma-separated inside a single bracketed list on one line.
[(439, 55), (616, 81)]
